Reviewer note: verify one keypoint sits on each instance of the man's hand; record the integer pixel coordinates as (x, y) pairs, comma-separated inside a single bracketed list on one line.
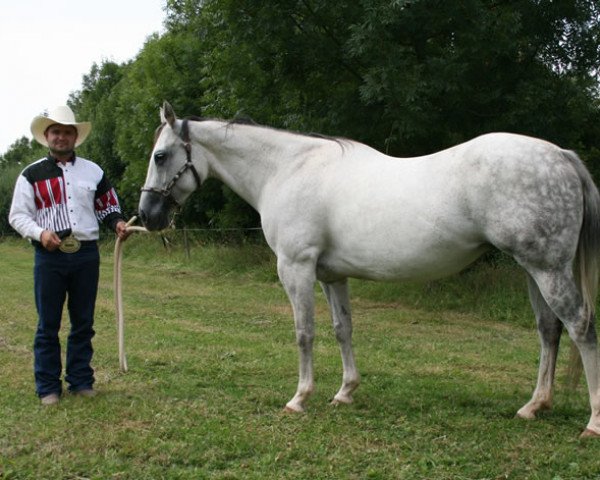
[(121, 230), (49, 240)]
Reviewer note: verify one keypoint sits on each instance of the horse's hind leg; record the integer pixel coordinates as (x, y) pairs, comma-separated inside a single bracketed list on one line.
[(549, 329), (339, 304), (562, 296)]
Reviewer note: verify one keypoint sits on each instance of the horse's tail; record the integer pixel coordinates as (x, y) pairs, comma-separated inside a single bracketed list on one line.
[(586, 264), (588, 249)]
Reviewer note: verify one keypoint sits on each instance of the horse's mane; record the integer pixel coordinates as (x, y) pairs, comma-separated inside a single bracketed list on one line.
[(246, 120)]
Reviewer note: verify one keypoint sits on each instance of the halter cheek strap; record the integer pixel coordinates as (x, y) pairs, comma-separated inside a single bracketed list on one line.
[(185, 136), (166, 192)]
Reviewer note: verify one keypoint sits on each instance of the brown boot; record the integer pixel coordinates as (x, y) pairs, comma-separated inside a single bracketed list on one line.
[(86, 392), (50, 399)]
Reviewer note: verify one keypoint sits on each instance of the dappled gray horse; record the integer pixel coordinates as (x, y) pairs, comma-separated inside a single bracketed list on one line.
[(333, 209)]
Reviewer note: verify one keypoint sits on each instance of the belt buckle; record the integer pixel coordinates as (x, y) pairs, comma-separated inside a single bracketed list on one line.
[(69, 244)]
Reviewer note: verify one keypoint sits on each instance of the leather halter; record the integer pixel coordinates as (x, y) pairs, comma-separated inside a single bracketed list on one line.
[(166, 191)]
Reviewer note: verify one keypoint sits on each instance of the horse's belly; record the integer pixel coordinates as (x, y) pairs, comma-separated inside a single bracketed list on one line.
[(398, 260), (403, 236)]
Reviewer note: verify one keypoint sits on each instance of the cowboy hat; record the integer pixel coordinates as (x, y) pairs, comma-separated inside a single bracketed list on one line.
[(64, 116)]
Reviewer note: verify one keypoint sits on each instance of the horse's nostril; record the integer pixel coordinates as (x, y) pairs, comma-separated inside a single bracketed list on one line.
[(142, 216)]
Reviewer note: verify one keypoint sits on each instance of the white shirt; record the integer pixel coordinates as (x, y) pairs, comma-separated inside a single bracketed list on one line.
[(51, 196)]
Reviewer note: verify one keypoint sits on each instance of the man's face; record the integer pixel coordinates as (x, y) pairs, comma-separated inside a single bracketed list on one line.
[(61, 138)]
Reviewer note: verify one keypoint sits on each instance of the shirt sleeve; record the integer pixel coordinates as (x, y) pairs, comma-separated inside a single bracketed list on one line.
[(23, 210), (108, 209)]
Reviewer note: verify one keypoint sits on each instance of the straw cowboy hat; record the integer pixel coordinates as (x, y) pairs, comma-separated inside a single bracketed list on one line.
[(63, 115)]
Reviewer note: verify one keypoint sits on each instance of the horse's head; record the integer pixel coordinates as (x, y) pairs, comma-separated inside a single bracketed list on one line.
[(172, 175)]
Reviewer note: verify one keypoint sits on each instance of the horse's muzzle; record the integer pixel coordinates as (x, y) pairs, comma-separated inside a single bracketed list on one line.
[(154, 210)]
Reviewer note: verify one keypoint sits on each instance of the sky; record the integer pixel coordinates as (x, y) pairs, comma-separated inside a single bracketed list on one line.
[(47, 46)]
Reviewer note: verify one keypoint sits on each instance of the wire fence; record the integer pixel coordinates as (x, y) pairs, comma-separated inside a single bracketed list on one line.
[(188, 237), (12, 233)]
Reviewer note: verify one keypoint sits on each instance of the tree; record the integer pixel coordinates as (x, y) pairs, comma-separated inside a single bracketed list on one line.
[(9, 174), (97, 102), (21, 153), (283, 63), (408, 76), (446, 71)]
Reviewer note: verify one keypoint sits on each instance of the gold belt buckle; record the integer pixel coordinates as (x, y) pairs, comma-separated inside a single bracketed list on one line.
[(69, 244)]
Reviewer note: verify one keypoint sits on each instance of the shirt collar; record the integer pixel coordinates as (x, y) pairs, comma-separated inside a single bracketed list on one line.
[(54, 160)]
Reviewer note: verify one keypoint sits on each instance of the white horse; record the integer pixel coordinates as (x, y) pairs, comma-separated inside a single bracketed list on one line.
[(333, 209)]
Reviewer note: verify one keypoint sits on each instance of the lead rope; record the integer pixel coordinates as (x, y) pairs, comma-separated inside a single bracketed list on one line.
[(118, 255)]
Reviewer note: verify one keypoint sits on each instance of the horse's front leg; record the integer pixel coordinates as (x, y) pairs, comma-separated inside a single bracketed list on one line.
[(298, 278), (339, 304)]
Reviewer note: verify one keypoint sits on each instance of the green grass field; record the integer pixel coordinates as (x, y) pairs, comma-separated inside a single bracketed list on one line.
[(212, 361)]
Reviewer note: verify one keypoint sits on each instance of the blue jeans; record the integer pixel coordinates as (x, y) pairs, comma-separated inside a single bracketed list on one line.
[(59, 275)]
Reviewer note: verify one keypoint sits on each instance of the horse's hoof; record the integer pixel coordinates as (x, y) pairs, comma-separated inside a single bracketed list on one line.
[(290, 409), (340, 401), (525, 414), (587, 433)]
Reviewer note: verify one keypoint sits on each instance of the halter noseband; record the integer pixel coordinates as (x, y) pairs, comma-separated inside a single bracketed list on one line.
[(166, 191)]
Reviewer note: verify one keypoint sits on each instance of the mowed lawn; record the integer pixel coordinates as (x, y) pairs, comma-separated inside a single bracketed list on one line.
[(212, 361)]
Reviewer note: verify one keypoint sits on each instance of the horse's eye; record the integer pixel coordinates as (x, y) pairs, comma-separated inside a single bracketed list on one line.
[(160, 157)]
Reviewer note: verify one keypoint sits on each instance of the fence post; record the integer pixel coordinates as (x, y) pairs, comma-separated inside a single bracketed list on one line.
[(186, 243)]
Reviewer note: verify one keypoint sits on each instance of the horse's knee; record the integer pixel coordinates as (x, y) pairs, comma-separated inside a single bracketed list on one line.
[(342, 332), (304, 340), (583, 332)]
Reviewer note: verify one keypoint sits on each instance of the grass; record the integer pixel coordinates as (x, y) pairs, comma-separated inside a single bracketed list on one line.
[(212, 362)]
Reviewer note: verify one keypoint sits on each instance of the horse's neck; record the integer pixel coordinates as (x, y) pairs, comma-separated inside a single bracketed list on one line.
[(246, 157)]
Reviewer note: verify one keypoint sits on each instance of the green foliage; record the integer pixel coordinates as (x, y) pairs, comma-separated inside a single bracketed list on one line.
[(97, 102), (8, 177), (407, 77), (445, 71), (20, 154), (284, 63)]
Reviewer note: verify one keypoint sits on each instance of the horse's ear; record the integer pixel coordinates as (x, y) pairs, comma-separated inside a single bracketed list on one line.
[(167, 114)]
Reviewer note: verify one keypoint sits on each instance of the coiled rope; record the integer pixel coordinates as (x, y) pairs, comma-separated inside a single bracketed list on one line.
[(118, 257)]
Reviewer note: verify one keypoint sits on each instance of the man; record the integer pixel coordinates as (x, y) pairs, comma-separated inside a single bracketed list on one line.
[(57, 204)]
